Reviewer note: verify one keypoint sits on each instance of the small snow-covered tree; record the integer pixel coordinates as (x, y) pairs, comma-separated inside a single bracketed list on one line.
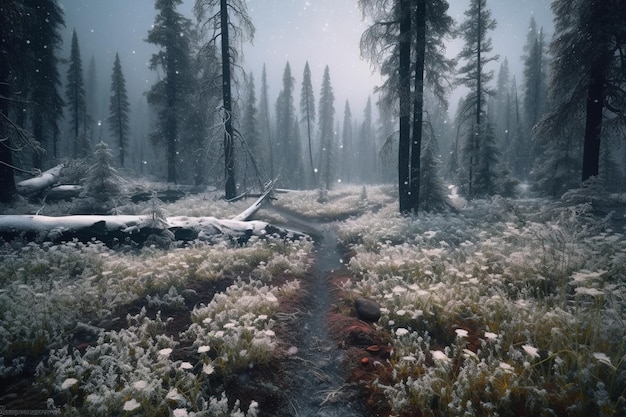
[(103, 183)]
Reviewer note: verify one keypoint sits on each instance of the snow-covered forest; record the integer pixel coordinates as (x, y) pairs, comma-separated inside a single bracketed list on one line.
[(212, 244)]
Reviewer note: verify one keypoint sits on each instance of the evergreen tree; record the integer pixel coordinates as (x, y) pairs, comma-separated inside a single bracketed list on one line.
[(119, 110), (502, 106), (519, 147), (250, 130), (413, 31), (327, 133), (28, 41), (45, 23), (586, 84), (433, 191), (367, 145), (222, 23), (535, 86), (388, 153), (91, 95), (171, 33), (307, 111), (287, 146), (264, 121), (207, 94), (76, 101), (480, 153), (346, 144), (103, 183)]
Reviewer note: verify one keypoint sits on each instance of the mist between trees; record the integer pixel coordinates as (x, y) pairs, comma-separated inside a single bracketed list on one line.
[(208, 120)]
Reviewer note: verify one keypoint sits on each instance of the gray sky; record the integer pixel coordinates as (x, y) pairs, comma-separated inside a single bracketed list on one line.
[(324, 32)]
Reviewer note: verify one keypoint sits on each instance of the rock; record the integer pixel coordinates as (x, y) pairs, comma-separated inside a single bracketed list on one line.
[(367, 310)]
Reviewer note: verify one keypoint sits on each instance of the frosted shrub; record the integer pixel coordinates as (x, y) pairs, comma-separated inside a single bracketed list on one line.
[(238, 324), (493, 308)]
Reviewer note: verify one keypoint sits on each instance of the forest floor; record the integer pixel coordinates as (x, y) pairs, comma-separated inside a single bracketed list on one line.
[(497, 307)]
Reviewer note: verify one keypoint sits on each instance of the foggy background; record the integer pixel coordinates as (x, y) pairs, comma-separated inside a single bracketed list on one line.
[(323, 32)]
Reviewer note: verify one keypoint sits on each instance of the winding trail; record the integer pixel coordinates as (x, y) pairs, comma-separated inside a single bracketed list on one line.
[(316, 371)]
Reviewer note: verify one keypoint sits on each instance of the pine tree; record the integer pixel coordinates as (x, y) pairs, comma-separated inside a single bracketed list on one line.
[(264, 121), (171, 33), (29, 40), (287, 145), (307, 112), (45, 23), (119, 110), (103, 183), (346, 144), (587, 51), (480, 153), (76, 101), (207, 94), (413, 31), (91, 96), (327, 133), (250, 130), (535, 86), (367, 145), (502, 107)]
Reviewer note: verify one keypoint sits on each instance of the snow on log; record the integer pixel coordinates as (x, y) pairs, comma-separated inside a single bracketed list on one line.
[(64, 192), (247, 213), (112, 230), (40, 182)]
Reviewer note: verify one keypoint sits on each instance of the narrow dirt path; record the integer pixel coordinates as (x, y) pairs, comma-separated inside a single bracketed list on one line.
[(316, 371)]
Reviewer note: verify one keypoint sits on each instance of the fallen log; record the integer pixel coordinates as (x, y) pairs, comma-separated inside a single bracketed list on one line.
[(247, 213), (113, 230), (39, 183), (64, 192)]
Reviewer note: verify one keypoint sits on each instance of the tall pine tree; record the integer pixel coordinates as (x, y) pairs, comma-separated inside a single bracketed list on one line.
[(171, 33), (45, 24), (480, 170), (586, 85), (346, 144), (406, 42), (29, 41), (287, 144), (119, 110), (307, 113), (327, 133), (76, 101), (265, 123)]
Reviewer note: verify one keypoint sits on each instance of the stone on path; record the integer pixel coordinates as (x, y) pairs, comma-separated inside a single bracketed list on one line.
[(367, 310)]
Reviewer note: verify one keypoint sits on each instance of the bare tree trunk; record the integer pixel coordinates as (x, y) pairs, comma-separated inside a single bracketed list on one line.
[(229, 152), (7, 180), (404, 94), (593, 126), (418, 105)]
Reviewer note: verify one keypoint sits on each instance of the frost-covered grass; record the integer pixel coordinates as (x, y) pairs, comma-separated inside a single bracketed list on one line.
[(499, 308), (505, 308), (48, 291), (340, 202)]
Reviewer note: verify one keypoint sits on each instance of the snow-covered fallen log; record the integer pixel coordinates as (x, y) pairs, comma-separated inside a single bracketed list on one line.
[(64, 192), (42, 181), (132, 228), (247, 213)]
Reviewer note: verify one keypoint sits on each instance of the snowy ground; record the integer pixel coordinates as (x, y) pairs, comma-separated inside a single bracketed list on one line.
[(499, 308)]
